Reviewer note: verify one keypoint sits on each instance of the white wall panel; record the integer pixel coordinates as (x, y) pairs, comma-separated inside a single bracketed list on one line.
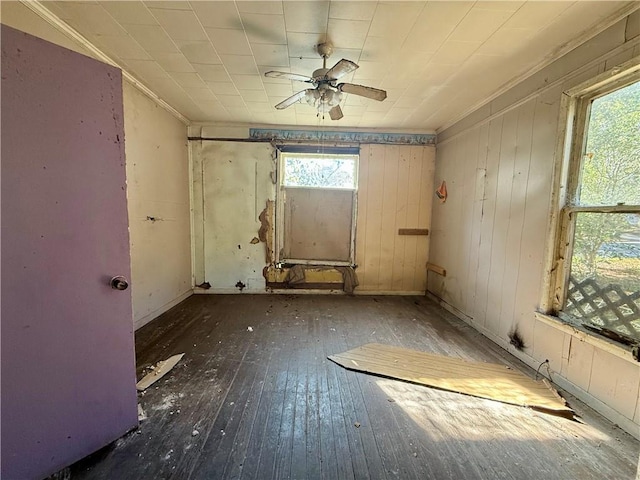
[(159, 211), (491, 235)]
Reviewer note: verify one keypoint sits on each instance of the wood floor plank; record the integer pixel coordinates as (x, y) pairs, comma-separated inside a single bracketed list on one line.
[(288, 412)]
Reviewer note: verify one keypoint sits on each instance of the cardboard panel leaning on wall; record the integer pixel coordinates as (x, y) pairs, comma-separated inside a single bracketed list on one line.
[(238, 179), (159, 212)]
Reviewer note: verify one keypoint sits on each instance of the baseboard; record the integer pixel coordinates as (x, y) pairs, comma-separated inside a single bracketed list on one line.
[(303, 291), (602, 408), (141, 322)]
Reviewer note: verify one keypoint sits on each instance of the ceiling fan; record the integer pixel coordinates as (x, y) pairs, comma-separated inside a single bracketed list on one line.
[(326, 94)]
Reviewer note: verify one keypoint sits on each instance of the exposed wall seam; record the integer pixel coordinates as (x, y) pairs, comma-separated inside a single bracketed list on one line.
[(44, 13), (593, 63)]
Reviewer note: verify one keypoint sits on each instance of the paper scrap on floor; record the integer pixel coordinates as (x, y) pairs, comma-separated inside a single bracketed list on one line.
[(484, 380), (160, 370)]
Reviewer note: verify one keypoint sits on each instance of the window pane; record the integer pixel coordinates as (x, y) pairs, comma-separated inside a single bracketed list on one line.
[(320, 171), (604, 286), (611, 163)]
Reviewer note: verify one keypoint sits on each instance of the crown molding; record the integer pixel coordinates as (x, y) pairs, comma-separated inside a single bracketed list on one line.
[(43, 12)]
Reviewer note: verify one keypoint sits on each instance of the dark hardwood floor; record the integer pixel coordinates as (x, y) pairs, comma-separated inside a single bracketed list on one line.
[(268, 404)]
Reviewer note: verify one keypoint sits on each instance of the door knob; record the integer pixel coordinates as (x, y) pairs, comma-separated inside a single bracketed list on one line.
[(119, 283)]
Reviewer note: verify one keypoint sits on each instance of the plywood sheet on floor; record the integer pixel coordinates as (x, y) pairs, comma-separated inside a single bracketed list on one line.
[(479, 379)]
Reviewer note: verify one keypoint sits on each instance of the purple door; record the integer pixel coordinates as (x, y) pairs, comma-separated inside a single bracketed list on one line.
[(68, 363)]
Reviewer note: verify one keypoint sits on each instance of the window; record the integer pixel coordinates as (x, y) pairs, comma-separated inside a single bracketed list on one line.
[(316, 206), (597, 284)]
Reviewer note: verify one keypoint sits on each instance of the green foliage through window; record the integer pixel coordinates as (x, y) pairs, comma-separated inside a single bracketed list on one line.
[(321, 171)]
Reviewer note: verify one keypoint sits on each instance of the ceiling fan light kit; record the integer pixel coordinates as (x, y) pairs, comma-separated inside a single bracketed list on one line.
[(326, 94)]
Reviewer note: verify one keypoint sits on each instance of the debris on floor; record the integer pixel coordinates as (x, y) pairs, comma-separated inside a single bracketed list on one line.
[(478, 379), (249, 329), (159, 370), (141, 414), (357, 424)]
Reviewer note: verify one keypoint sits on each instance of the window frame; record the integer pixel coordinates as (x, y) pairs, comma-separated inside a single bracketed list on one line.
[(574, 118), (282, 153)]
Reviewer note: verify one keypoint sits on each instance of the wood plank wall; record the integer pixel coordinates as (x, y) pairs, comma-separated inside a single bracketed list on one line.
[(491, 234), (395, 190)]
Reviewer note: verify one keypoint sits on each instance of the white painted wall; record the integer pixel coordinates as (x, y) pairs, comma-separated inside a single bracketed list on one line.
[(491, 234), (233, 181), (158, 187)]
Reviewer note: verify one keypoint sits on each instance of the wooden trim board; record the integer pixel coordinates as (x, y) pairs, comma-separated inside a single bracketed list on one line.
[(484, 380), (413, 231)]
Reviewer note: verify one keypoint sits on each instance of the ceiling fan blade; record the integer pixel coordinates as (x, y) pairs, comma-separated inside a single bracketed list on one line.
[(291, 100), (290, 76), (369, 92), (336, 113), (340, 69)]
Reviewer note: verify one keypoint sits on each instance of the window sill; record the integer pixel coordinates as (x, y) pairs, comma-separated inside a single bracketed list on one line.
[(584, 335)]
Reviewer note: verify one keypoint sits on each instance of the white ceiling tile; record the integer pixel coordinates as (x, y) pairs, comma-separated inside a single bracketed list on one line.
[(479, 24), (266, 7), (502, 5), (356, 101), (255, 106), (146, 68), (129, 13), (229, 42), (306, 17), (122, 46), (381, 49), (352, 10), (188, 80), (348, 33), (201, 95), (264, 28), (536, 14), (454, 52), (199, 52), (408, 102), (252, 96), (92, 18), (152, 38), (304, 44), (217, 14), (223, 88), (212, 73), (184, 5), (354, 110), (180, 24), (506, 40), (305, 66), (435, 24), (277, 90), (436, 59), (380, 107), (247, 82), (231, 100), (271, 54), (395, 18), (239, 64), (173, 62), (371, 70)]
